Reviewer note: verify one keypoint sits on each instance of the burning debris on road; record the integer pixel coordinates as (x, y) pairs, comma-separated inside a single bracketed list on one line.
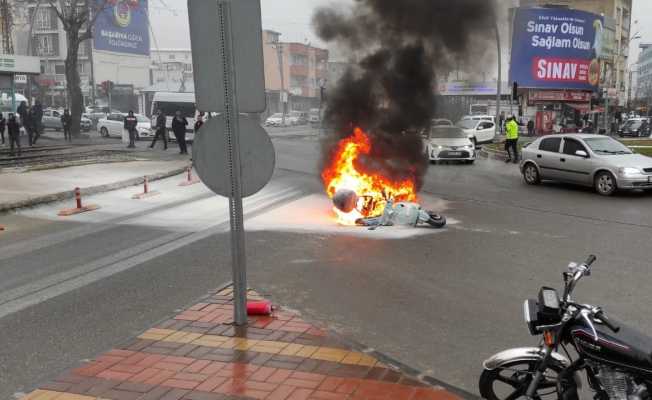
[(373, 159)]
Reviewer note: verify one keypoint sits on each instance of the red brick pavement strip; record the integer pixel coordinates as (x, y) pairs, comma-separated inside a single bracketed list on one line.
[(154, 370)]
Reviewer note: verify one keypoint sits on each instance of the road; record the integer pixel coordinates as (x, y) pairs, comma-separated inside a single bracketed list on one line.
[(440, 302)]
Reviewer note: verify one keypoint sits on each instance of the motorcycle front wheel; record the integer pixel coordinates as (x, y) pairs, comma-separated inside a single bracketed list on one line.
[(511, 381)]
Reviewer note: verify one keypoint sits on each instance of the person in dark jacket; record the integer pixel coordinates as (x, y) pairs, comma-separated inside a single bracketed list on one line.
[(200, 122), (130, 125), (161, 130), (179, 124), (37, 120), (66, 124), (30, 126), (3, 123), (13, 129), (23, 113), (530, 127)]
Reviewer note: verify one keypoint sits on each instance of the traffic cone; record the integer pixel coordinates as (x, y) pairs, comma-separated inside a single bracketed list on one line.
[(146, 192), (79, 207), (190, 180)]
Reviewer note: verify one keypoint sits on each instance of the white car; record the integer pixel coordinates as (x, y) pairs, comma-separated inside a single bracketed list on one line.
[(480, 117), (277, 120), (478, 131), (113, 125), (442, 122), (449, 143)]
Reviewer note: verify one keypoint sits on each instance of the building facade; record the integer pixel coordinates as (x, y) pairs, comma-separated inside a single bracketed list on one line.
[(294, 74), (109, 56), (642, 87), (171, 68)]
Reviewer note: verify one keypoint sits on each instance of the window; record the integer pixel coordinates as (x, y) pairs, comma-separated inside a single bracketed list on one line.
[(59, 69), (172, 57), (45, 19), (550, 144), (486, 125), (46, 45), (571, 146), (299, 59)]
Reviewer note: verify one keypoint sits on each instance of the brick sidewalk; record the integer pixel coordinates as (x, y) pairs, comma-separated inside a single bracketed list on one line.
[(200, 355)]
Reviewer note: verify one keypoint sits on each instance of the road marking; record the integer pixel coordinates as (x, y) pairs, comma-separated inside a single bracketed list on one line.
[(46, 288)]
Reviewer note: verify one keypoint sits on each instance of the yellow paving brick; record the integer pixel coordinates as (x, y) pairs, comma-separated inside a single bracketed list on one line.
[(244, 344), (292, 349), (352, 358), (307, 351), (41, 395), (327, 356), (157, 331), (70, 396), (265, 349), (367, 361), (270, 343)]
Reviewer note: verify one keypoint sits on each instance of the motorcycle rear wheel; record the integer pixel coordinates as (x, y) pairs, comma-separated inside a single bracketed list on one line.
[(511, 381), (436, 220)]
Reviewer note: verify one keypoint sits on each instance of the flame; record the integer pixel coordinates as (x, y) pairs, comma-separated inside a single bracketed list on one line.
[(345, 172)]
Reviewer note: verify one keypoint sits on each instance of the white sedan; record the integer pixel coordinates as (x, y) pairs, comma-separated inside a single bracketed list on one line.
[(449, 143), (478, 131), (113, 125)]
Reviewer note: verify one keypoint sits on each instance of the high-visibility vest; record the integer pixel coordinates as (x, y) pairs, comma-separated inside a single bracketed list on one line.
[(511, 130)]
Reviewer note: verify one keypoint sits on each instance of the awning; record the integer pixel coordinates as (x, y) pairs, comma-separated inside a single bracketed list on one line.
[(583, 107)]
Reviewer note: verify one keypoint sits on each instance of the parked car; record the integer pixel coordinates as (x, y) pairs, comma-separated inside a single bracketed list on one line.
[(637, 127), (590, 160), (480, 117), (298, 118), (449, 143), (52, 120), (113, 125), (478, 130), (442, 122), (277, 120)]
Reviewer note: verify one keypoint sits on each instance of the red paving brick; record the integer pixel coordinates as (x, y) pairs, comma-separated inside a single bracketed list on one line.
[(191, 372)]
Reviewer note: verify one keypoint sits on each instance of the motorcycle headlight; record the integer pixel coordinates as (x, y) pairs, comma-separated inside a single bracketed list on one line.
[(628, 171)]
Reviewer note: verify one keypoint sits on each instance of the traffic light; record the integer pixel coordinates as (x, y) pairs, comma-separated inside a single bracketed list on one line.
[(515, 91), (107, 86)]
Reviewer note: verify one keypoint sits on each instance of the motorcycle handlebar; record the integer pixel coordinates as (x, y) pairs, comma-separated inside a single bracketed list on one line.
[(600, 315), (590, 260)]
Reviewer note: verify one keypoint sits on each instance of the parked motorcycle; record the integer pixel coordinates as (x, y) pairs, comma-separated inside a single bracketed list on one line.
[(616, 359)]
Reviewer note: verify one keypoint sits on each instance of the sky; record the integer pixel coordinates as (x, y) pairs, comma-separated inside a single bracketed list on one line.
[(169, 19)]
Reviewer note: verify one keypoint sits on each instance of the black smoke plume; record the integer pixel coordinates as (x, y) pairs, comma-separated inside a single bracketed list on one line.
[(396, 48)]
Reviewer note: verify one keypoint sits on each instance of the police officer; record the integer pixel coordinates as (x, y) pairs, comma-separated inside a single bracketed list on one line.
[(161, 121), (66, 124), (13, 129), (3, 123), (179, 124), (130, 125), (511, 142)]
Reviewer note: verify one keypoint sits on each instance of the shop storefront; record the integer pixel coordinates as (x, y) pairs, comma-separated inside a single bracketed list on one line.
[(10, 66), (556, 111)]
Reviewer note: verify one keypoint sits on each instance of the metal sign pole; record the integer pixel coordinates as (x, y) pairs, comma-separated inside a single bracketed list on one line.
[(235, 200)]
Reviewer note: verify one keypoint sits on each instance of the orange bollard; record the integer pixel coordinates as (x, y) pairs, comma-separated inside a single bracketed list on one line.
[(66, 212), (146, 193), (190, 179)]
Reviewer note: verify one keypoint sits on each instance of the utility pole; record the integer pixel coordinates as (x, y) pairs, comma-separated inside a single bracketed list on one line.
[(279, 51)]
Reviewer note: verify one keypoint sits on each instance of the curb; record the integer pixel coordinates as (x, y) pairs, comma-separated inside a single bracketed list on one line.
[(492, 155), (69, 194), (385, 359)]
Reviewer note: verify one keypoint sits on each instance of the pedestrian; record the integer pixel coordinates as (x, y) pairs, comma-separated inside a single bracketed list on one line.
[(13, 129), (179, 124), (130, 125), (3, 123), (511, 142), (530, 127), (200, 122), (66, 124), (161, 130), (31, 121), (23, 113), (502, 123), (37, 120)]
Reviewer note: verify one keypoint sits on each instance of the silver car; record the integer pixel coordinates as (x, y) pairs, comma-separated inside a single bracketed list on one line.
[(590, 160), (449, 143)]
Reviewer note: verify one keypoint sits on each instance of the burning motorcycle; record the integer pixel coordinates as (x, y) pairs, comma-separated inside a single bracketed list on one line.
[(617, 360)]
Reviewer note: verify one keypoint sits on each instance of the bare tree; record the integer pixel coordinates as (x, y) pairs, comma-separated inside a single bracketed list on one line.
[(77, 18)]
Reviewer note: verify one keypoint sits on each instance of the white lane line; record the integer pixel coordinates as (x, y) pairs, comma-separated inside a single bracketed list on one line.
[(58, 284)]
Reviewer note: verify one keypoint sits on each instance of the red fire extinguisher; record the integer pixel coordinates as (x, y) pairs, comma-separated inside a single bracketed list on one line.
[(263, 307)]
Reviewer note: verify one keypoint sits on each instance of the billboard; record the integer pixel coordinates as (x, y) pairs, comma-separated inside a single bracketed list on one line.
[(122, 27), (556, 48)]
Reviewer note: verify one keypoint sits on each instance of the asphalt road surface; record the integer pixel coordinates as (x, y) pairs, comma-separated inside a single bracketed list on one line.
[(440, 302)]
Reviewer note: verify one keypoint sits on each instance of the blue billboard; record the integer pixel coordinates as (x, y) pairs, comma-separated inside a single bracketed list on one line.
[(556, 48), (123, 27)]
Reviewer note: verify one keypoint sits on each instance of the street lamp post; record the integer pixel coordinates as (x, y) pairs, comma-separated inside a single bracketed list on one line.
[(500, 62)]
